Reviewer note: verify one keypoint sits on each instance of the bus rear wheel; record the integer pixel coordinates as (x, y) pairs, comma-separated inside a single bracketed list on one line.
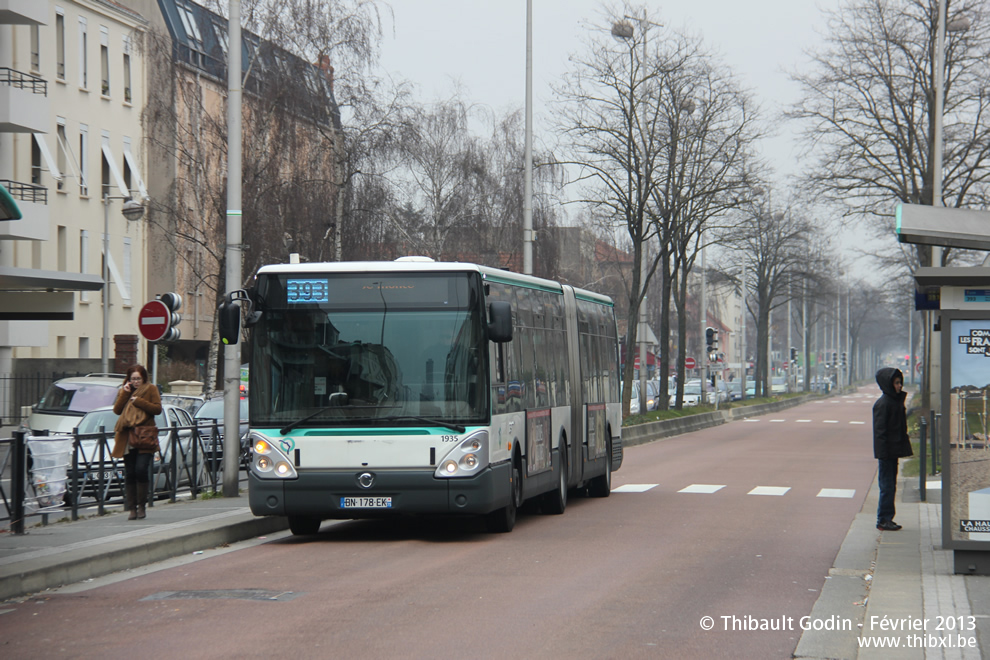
[(303, 526), (602, 486), (501, 521), (555, 501)]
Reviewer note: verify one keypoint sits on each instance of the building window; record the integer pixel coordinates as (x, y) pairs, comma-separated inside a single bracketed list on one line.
[(84, 347), (83, 48), (127, 78), (35, 48), (62, 157), (60, 46), (35, 163), (104, 61), (104, 176), (194, 40), (83, 262), (83, 158), (62, 247), (127, 270)]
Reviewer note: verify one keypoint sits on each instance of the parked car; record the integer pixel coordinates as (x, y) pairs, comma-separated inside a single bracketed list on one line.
[(188, 402), (735, 390), (692, 393), (212, 412), (97, 426), (66, 401), (778, 385), (652, 396)]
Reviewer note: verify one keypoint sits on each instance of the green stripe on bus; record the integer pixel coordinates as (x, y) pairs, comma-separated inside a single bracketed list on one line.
[(525, 285), (593, 299)]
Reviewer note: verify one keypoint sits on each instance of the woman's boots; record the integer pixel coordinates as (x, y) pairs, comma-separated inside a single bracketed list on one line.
[(130, 500), (142, 498)]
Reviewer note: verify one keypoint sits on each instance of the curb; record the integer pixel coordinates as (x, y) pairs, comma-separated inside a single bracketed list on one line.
[(95, 559)]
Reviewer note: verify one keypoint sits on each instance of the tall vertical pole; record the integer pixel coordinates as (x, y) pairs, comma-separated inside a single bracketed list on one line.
[(742, 350), (105, 346), (528, 165), (232, 352), (804, 336)]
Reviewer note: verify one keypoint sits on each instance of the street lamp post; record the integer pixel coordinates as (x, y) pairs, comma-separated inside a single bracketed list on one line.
[(623, 30), (132, 211)]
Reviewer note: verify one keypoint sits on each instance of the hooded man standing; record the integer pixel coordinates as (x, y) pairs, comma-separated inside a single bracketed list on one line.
[(890, 441)]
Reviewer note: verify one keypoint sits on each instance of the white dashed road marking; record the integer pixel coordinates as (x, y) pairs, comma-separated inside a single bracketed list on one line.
[(802, 421), (634, 488), (857, 422), (777, 420), (701, 488), (769, 490), (837, 492), (831, 421)]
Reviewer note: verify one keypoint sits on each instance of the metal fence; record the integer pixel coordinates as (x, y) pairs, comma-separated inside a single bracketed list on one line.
[(190, 461)]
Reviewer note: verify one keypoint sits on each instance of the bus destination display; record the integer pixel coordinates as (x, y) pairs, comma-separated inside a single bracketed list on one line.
[(307, 291)]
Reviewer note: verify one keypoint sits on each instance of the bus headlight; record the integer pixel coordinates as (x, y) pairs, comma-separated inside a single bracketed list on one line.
[(268, 460), (467, 458)]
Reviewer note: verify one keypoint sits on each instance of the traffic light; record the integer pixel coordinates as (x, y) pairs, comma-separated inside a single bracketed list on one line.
[(709, 339), (174, 303), (843, 358), (793, 354), (835, 359)]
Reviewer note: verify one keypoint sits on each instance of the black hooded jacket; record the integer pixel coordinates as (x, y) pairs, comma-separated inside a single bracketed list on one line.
[(890, 437)]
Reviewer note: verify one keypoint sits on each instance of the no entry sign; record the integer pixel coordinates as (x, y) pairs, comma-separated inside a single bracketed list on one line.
[(154, 320), (689, 363)]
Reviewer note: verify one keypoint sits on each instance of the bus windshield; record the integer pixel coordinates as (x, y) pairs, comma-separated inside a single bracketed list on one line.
[(403, 348)]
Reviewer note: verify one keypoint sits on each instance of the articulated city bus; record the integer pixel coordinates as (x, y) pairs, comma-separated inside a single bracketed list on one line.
[(419, 387)]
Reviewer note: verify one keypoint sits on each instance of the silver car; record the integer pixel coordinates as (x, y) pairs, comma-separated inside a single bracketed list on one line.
[(97, 428)]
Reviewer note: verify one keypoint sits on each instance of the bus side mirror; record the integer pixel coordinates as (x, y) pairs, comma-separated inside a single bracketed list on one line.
[(500, 322), (229, 320)]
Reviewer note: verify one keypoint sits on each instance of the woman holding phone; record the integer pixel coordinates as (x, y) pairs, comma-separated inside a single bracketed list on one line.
[(137, 404)]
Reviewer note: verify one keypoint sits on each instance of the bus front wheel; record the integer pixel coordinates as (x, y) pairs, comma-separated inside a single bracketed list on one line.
[(501, 521), (303, 526)]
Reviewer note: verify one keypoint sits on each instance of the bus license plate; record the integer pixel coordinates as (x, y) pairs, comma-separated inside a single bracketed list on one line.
[(366, 503)]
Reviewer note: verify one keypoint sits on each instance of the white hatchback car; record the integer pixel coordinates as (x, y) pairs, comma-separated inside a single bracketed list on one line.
[(66, 401)]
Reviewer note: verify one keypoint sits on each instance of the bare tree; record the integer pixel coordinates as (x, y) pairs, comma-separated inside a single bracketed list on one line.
[(774, 245), (868, 110), (660, 134)]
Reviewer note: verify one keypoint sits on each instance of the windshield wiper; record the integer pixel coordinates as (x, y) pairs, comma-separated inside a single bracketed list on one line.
[(336, 399)]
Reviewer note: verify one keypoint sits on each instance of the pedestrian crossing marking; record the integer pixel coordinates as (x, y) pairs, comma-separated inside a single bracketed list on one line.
[(701, 488), (845, 493), (769, 490), (634, 488), (933, 485)]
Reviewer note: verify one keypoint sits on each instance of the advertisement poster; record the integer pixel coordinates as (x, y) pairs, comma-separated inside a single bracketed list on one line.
[(969, 451), (597, 442), (537, 441)]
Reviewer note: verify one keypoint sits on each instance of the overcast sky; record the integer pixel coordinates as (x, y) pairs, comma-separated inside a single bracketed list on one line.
[(481, 44)]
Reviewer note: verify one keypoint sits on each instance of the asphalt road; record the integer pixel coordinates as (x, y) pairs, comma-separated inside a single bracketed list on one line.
[(739, 523)]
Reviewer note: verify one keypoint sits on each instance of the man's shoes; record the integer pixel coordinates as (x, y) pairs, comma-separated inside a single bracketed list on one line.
[(888, 526)]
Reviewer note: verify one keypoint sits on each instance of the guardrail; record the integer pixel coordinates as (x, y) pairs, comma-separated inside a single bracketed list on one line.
[(191, 460), (22, 80)]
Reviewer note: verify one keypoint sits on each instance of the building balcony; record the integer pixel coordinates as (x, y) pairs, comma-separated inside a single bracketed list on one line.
[(23, 102), (33, 202), (23, 12)]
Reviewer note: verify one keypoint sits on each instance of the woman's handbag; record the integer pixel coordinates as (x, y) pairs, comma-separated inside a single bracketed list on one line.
[(144, 438)]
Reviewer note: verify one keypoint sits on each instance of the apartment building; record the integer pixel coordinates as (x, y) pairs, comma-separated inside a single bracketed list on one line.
[(71, 153)]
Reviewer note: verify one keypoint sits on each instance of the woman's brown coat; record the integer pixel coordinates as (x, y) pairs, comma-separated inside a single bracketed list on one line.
[(140, 411)]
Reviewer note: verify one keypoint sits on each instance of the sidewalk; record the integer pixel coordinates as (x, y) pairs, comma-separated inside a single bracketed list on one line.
[(886, 580), (66, 552)]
